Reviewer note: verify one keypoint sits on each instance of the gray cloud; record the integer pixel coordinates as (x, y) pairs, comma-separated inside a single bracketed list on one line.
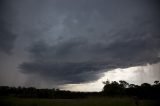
[(64, 72), (7, 37), (101, 35), (80, 59)]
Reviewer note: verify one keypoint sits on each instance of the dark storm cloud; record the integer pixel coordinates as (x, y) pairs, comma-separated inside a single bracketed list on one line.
[(101, 35), (79, 60), (64, 72), (7, 38)]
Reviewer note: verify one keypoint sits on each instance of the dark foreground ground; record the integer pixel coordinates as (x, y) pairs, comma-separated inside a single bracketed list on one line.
[(98, 101)]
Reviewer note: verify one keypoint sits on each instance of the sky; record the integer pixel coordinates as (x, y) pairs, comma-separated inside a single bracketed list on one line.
[(78, 44)]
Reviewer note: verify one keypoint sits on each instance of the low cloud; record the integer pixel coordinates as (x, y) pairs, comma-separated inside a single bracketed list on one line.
[(83, 43), (77, 60)]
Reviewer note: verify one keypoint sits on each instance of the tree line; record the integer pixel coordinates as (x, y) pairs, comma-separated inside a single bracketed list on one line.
[(121, 88), (32, 92)]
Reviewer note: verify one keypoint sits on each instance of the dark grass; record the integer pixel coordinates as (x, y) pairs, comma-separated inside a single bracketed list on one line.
[(92, 101)]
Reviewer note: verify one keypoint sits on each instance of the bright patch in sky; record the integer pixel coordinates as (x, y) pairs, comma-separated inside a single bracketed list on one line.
[(133, 75)]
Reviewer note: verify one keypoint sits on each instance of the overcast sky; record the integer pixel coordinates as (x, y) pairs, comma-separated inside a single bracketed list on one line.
[(75, 43)]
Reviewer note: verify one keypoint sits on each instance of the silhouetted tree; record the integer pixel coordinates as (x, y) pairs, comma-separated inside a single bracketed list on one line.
[(123, 83), (156, 82), (113, 88), (145, 90), (132, 85)]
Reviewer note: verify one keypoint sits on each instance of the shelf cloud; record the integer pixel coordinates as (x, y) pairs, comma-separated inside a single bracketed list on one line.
[(74, 41)]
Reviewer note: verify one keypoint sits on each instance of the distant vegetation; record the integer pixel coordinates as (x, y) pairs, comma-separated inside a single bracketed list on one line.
[(91, 101), (121, 88), (144, 91), (113, 94)]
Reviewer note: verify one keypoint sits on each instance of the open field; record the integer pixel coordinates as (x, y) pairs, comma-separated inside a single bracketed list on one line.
[(76, 102)]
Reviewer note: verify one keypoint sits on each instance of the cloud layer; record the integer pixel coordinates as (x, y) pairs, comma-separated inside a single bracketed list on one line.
[(101, 35), (7, 37), (73, 41)]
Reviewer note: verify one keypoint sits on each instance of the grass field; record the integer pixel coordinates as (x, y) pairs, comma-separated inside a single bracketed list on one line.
[(76, 102)]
